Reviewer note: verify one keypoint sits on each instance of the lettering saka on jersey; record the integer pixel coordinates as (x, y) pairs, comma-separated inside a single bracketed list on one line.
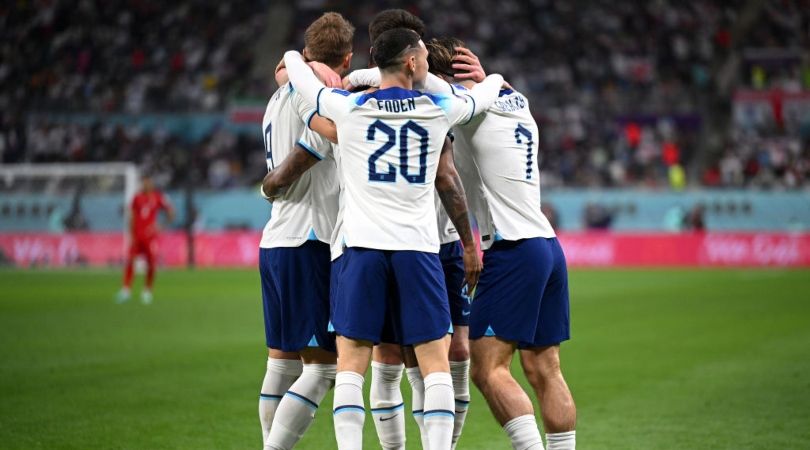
[(510, 103)]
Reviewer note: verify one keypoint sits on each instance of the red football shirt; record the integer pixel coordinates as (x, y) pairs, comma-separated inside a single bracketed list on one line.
[(145, 208)]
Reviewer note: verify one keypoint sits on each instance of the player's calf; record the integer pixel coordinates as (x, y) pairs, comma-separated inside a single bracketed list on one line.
[(542, 368), (459, 370), (297, 408), (349, 411), (508, 402), (283, 369), (439, 410), (387, 405), (417, 393), (385, 396)]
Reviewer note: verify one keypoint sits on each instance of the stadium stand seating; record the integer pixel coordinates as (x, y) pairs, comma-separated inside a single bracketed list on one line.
[(627, 95)]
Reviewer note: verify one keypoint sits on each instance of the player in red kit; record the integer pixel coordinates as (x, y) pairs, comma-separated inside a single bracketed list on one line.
[(143, 235)]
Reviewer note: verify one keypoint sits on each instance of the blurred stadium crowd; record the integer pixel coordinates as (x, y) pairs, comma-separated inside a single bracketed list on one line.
[(641, 93)]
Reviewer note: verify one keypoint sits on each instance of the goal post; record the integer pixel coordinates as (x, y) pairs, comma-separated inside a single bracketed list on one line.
[(65, 197)]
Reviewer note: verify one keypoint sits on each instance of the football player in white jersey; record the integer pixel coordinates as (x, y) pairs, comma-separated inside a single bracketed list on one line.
[(385, 397), (294, 260), (387, 358), (522, 298), (389, 153)]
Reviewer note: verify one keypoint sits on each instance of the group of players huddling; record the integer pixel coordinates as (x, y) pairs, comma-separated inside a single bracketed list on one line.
[(370, 255)]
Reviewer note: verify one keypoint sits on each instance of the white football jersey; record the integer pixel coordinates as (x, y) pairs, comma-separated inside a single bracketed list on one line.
[(447, 231), (474, 189), (390, 141), (503, 144), (308, 209), (336, 240)]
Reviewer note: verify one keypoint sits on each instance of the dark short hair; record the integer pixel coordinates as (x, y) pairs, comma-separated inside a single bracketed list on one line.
[(440, 55), (394, 18), (329, 39), (390, 45)]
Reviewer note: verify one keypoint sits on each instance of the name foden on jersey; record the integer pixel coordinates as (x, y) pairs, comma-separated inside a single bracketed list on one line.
[(396, 105)]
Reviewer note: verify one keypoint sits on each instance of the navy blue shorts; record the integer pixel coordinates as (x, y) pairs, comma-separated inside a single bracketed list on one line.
[(334, 280), (364, 306), (522, 295), (295, 289), (389, 334), (452, 258)]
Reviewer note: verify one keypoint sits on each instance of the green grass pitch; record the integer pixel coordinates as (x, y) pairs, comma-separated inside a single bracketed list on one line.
[(660, 359)]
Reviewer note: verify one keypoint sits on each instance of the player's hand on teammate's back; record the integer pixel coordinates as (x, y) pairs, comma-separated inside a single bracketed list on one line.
[(328, 76), (473, 265), (466, 61)]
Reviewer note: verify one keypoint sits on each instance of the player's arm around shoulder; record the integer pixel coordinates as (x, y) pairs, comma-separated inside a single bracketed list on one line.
[(460, 109), (362, 78), (324, 73), (485, 93), (324, 127), (276, 182), (331, 103)]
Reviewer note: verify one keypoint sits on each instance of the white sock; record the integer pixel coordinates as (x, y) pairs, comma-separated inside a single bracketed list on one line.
[(439, 415), (523, 433), (297, 409), (280, 375), (561, 441), (418, 402), (349, 412), (460, 371), (387, 406)]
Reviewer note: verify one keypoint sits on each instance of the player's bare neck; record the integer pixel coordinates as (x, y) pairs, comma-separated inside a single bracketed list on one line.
[(339, 69), (398, 79)]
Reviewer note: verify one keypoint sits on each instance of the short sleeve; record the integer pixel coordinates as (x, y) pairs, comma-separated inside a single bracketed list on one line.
[(303, 110), (317, 145), (334, 104), (458, 108)]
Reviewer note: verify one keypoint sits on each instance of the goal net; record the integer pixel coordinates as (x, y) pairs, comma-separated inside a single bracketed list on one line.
[(54, 199)]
